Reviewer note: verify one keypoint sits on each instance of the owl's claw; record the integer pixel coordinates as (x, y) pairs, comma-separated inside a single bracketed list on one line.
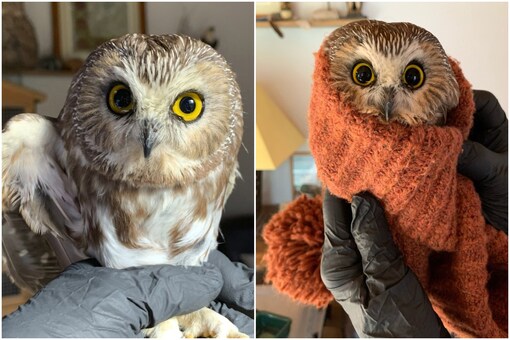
[(167, 329), (202, 323)]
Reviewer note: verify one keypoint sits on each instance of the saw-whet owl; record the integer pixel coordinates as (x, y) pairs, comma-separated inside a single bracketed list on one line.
[(138, 166), (395, 71)]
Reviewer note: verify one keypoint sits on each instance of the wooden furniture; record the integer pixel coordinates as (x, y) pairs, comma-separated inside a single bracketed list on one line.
[(14, 95), (308, 23), (18, 99)]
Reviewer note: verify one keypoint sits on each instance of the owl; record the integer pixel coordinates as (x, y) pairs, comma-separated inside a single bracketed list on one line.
[(140, 162), (395, 71)]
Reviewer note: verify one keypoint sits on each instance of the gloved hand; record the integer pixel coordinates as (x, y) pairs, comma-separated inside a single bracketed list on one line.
[(366, 274), (484, 158), (236, 299), (88, 300)]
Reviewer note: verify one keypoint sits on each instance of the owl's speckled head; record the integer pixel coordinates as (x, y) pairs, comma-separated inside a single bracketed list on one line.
[(396, 71), (153, 110)]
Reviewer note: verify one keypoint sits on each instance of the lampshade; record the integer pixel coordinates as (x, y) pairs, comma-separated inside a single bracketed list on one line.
[(277, 137)]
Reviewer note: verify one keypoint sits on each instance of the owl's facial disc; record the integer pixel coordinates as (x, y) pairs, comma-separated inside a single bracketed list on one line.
[(398, 72), (154, 110)]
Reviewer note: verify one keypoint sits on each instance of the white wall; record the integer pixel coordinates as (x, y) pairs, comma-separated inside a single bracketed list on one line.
[(476, 34), (235, 33)]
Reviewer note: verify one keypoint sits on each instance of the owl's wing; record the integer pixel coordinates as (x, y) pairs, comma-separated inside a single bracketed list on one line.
[(28, 259), (37, 198)]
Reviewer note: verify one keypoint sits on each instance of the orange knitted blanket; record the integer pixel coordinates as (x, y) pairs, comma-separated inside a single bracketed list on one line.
[(434, 213)]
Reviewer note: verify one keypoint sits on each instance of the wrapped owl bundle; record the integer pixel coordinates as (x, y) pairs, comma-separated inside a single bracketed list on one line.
[(401, 147)]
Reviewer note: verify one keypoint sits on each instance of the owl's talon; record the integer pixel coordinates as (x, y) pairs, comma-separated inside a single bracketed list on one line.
[(240, 336), (167, 329), (202, 323)]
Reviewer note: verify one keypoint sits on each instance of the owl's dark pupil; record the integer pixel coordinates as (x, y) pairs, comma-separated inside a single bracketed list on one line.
[(364, 74), (413, 77), (122, 98), (187, 105)]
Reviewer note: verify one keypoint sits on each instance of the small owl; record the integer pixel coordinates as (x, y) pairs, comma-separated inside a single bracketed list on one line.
[(396, 71), (139, 164)]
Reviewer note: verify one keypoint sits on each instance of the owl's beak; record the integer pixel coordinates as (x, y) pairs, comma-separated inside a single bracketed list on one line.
[(389, 96), (387, 110), (149, 132), (147, 148)]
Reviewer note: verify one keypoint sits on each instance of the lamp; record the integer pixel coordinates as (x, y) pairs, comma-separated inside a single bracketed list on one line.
[(277, 137)]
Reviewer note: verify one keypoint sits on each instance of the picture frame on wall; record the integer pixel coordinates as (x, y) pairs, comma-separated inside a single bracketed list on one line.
[(79, 27), (304, 175)]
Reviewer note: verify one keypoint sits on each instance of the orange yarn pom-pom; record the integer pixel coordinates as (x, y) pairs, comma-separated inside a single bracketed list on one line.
[(294, 237)]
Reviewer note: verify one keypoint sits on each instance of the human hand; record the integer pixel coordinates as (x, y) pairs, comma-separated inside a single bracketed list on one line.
[(366, 274), (88, 300), (484, 158), (236, 299)]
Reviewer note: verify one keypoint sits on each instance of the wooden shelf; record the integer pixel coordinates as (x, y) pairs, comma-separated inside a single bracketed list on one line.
[(40, 72), (308, 23), (17, 96)]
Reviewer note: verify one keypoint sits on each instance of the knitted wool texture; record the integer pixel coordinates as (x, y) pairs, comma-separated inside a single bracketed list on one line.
[(434, 213), (294, 238)]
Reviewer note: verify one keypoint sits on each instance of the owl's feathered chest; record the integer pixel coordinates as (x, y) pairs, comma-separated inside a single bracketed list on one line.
[(127, 226)]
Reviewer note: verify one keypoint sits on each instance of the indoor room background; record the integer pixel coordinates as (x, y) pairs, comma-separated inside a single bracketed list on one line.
[(476, 34)]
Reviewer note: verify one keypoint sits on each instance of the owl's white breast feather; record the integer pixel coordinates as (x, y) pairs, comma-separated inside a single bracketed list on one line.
[(168, 212)]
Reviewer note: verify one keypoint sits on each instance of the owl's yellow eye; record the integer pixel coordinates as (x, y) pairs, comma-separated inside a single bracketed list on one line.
[(413, 76), (188, 106), (363, 74), (120, 99)]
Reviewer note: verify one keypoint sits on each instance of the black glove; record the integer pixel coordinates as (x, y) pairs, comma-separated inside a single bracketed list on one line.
[(366, 274), (235, 301), (484, 158), (88, 300)]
